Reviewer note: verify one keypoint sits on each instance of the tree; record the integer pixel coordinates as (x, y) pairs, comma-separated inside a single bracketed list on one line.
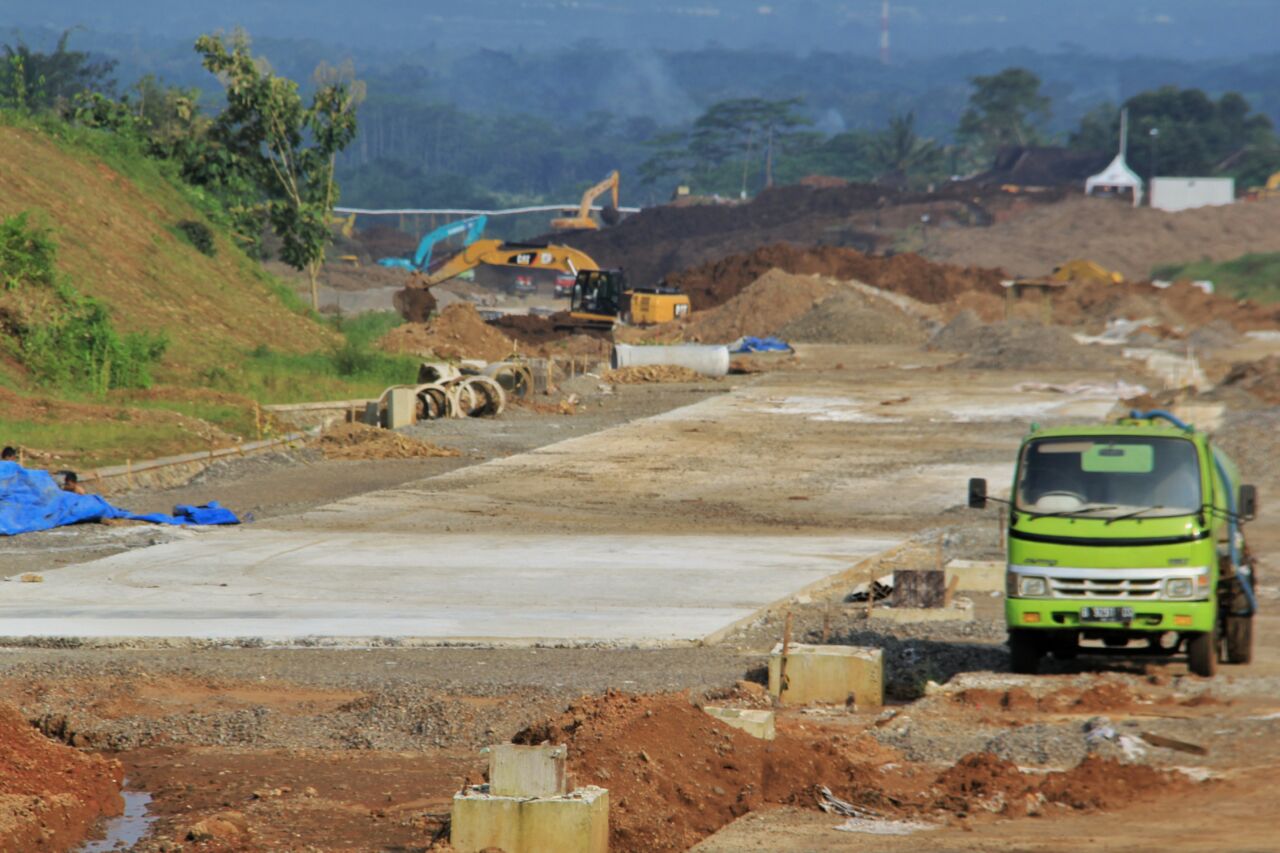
[(901, 154), (751, 128), (1004, 109), (1193, 134), (289, 149), (38, 81)]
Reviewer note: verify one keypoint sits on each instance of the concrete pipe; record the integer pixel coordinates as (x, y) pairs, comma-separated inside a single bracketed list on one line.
[(709, 360), (487, 395), (515, 378), (434, 402)]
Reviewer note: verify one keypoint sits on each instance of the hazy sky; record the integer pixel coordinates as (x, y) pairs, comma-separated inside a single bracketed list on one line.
[(920, 28)]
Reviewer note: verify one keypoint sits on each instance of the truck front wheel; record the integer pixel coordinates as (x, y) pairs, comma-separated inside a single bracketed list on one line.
[(1202, 653), (1025, 651)]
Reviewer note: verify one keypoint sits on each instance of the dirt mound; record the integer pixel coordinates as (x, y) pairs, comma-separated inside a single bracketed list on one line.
[(361, 441), (1182, 305), (1016, 345), (650, 373), (675, 775), (456, 332), (1131, 240), (854, 317), (1103, 783), (50, 794), (761, 308), (983, 781), (528, 328), (716, 282), (981, 776)]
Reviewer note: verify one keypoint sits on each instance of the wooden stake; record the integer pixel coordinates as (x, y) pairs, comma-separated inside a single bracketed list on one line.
[(826, 623), (786, 649)]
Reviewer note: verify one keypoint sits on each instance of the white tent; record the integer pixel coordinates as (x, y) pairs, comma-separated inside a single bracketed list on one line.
[(1117, 177)]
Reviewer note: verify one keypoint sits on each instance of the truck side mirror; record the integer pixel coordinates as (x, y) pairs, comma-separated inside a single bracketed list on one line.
[(977, 493), (1248, 507)]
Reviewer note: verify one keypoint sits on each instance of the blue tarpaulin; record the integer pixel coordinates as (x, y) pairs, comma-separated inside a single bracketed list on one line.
[(30, 500), (752, 344)]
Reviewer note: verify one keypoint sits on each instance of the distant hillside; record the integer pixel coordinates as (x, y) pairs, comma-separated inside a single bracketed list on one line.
[(118, 241)]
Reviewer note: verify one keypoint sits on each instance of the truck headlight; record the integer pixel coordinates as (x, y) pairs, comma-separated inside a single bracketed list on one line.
[(1179, 588), (1030, 586)]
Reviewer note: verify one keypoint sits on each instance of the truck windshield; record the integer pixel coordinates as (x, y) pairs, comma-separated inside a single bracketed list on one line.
[(1109, 477)]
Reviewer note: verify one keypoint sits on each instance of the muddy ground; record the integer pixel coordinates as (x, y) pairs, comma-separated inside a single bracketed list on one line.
[(362, 749)]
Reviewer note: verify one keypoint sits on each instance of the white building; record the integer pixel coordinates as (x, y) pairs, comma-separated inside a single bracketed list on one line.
[(1173, 194)]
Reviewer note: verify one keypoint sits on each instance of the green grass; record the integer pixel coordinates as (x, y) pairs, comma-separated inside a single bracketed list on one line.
[(345, 372), (100, 442), (1254, 276)]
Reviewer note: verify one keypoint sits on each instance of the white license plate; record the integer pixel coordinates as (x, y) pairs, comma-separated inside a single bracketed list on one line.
[(1106, 614)]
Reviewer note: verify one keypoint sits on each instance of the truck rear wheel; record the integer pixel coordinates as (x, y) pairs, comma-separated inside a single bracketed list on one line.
[(1025, 651), (1202, 653), (1239, 639)]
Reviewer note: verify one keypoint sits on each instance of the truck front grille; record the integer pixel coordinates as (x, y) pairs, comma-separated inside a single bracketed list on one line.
[(1128, 589)]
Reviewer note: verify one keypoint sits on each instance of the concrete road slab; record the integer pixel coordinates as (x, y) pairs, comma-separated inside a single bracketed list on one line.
[(288, 587)]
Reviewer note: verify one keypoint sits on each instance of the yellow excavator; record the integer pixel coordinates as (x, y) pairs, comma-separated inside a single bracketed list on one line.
[(1081, 269), (600, 298), (582, 220)]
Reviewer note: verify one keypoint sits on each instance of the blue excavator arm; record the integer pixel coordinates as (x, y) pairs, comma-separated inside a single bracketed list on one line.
[(472, 228)]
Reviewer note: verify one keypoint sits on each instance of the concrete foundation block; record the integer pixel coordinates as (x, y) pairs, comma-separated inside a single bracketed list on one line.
[(827, 675), (755, 723), (527, 771), (402, 408), (959, 611), (977, 575), (572, 823)]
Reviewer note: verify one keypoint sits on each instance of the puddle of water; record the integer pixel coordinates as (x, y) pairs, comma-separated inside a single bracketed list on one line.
[(126, 830)]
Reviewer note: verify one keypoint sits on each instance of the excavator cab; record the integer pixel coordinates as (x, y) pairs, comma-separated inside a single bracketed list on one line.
[(601, 298)]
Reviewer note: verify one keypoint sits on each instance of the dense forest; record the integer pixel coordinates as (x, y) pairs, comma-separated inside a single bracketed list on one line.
[(482, 127)]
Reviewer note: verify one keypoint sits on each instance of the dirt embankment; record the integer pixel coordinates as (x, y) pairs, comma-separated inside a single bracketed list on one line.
[(662, 240), (675, 775), (50, 794), (1017, 345), (1133, 241), (716, 282)]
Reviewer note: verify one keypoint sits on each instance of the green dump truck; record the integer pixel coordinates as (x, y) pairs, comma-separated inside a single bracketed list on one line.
[(1129, 534)]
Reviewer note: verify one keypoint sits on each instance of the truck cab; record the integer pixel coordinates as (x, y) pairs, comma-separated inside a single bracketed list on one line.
[(1128, 533)]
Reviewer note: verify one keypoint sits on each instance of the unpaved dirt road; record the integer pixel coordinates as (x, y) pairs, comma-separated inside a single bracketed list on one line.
[(361, 749)]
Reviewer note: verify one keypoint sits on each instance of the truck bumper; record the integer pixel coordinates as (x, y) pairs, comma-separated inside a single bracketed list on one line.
[(1049, 614)]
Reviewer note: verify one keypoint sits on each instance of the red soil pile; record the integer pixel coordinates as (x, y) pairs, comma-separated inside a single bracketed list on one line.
[(1107, 696), (1103, 783), (457, 332), (994, 784), (675, 775), (50, 794), (717, 282)]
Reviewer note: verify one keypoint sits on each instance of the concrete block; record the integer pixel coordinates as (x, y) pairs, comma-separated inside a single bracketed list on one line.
[(527, 771), (755, 723), (960, 610), (572, 823), (827, 675), (372, 413), (402, 408), (977, 575)]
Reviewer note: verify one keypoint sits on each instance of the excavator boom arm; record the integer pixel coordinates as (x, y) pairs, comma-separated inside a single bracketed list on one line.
[(496, 253), (590, 196)]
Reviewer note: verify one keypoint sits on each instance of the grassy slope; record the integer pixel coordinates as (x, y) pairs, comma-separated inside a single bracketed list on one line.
[(116, 242), (114, 224), (1253, 276)]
